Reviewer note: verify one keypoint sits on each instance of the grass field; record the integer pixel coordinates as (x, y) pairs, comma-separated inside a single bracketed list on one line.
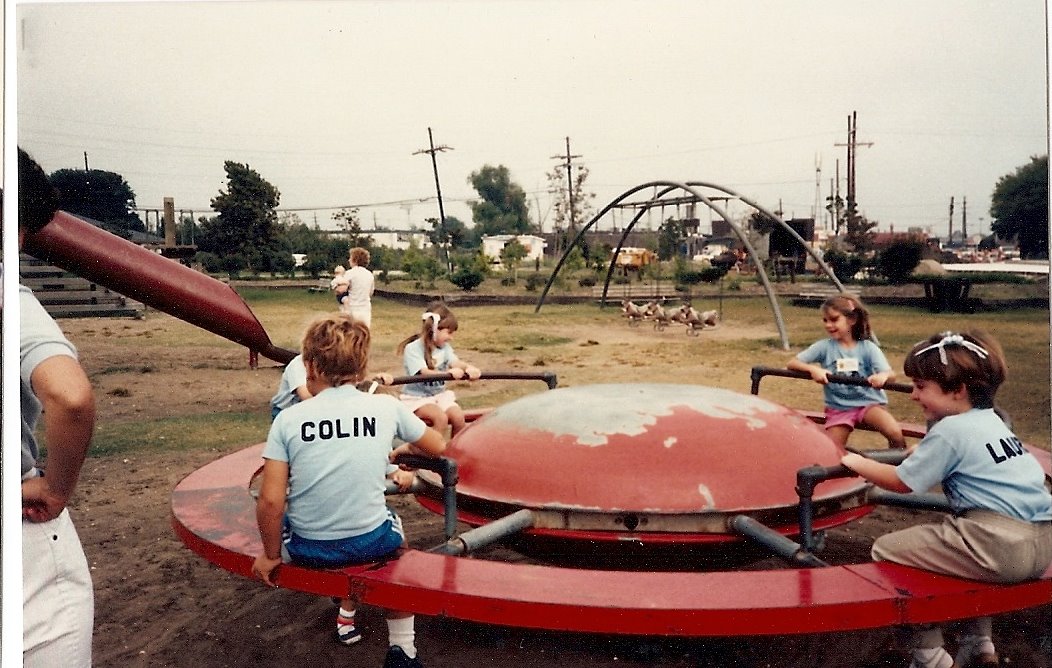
[(584, 344)]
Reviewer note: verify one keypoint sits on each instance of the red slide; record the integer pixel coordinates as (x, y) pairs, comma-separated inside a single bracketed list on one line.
[(115, 263)]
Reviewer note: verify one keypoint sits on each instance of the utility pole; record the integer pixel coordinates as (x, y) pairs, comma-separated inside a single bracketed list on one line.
[(852, 147), (950, 240), (434, 165), (964, 220), (569, 184), (818, 186), (86, 161), (438, 188)]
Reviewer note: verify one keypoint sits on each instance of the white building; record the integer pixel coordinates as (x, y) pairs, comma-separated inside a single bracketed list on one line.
[(493, 245), (399, 240)]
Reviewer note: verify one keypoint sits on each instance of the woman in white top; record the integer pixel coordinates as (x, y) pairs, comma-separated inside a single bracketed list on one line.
[(358, 302)]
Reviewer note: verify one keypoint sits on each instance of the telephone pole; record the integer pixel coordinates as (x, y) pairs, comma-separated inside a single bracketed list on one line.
[(434, 165), (569, 183), (438, 188), (950, 239), (852, 147), (964, 220)]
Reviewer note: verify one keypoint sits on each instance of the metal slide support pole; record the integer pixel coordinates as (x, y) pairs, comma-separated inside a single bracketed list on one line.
[(487, 534), (774, 541)]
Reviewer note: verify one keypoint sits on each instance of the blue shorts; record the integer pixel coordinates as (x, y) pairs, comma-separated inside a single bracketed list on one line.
[(371, 546)]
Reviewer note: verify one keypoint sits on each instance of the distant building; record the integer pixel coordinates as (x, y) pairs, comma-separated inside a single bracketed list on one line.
[(493, 246)]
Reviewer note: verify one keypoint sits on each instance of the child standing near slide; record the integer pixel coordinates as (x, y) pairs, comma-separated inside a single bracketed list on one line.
[(430, 353), (850, 350), (1001, 526), (321, 501)]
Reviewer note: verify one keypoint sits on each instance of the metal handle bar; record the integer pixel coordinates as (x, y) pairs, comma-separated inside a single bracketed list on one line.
[(548, 377), (447, 469), (759, 372)]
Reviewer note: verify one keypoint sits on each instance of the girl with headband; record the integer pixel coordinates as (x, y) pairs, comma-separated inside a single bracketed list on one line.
[(850, 350), (1001, 526), (430, 353)]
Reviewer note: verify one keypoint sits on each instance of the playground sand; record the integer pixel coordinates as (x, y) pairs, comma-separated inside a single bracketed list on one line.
[(158, 604)]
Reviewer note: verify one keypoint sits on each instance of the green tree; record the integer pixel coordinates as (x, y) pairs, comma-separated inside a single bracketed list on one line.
[(670, 236), (511, 255), (323, 251), (454, 234), (99, 195), (582, 199), (350, 226), (247, 226), (761, 223), (844, 265), (898, 260), (859, 231), (470, 272), (501, 208), (421, 266), (1019, 207)]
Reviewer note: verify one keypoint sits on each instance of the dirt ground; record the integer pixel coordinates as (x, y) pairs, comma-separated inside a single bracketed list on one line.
[(158, 604)]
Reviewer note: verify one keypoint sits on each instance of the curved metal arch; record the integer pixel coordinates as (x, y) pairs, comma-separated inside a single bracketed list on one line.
[(580, 235), (670, 186), (785, 226)]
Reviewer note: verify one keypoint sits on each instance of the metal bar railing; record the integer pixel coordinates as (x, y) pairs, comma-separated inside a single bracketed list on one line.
[(759, 372), (548, 377)]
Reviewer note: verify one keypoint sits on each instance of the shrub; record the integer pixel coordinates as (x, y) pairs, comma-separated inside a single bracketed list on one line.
[(467, 277), (707, 275), (534, 281), (898, 260), (844, 265), (586, 282)]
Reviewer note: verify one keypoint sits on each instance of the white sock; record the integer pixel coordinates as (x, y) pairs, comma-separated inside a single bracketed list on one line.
[(343, 616), (935, 657), (401, 632)]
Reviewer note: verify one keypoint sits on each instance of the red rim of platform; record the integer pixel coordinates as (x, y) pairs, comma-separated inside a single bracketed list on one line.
[(213, 514)]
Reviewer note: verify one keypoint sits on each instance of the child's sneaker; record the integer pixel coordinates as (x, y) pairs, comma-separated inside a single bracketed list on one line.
[(346, 632), (932, 658), (396, 658), (976, 651), (348, 635)]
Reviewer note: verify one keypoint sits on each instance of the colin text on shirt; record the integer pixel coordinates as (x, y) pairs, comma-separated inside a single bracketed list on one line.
[(329, 429)]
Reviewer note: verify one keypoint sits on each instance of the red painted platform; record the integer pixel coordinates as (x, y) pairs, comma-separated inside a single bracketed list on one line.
[(214, 514)]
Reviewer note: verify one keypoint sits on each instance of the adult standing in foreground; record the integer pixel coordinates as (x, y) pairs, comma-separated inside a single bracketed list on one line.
[(358, 303), (58, 605)]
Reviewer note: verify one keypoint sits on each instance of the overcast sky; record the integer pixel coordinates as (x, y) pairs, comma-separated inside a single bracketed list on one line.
[(329, 101)]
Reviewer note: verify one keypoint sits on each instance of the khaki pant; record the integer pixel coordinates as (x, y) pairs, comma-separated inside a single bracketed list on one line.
[(979, 545)]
